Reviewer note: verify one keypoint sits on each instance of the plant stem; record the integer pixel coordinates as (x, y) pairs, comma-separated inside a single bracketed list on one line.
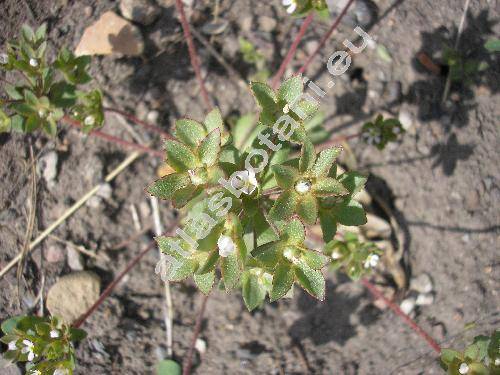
[(192, 53), (292, 50), (188, 361), (112, 286), (397, 310), (144, 124), (338, 140), (326, 37), (116, 140)]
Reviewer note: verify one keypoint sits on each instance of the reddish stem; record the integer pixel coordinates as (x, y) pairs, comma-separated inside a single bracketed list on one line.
[(113, 285), (396, 309), (139, 122), (192, 53), (116, 140), (326, 37), (292, 50), (188, 361)]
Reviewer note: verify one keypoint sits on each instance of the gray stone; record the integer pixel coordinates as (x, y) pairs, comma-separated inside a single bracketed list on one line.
[(54, 253), (144, 12), (424, 299), (73, 294), (8, 368), (267, 24), (105, 191), (47, 165), (421, 284), (75, 259)]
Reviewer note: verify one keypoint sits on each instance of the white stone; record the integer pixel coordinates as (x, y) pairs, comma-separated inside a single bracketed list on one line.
[(407, 305), (425, 299), (421, 283), (463, 369), (75, 259)]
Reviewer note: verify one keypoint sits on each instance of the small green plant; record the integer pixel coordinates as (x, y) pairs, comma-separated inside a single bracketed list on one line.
[(255, 59), (47, 90), (247, 208), (381, 131), (353, 257), (482, 357), (300, 8), (44, 344)]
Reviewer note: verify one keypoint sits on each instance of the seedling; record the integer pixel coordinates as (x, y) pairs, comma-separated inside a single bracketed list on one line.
[(47, 90), (482, 357), (44, 344), (255, 59), (380, 132), (300, 8)]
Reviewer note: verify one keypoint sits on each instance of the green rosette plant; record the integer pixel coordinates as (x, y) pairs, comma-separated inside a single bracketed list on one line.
[(246, 208), (45, 344), (47, 90)]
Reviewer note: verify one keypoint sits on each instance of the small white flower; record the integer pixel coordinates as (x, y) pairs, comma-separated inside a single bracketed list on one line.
[(195, 179), (54, 333), (463, 369), (4, 59), (286, 109), (289, 254), (497, 361), (245, 181), (42, 113), (28, 348), (371, 261), (89, 120), (336, 255), (35, 372), (291, 4), (12, 345), (303, 187), (60, 371), (33, 62), (226, 246)]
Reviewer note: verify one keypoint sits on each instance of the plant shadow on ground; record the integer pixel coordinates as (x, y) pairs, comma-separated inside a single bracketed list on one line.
[(316, 322)]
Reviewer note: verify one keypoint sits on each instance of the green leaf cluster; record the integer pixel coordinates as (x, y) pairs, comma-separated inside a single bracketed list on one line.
[(304, 7), (254, 58), (482, 357), (381, 131), (44, 343), (244, 227), (352, 256), (47, 90)]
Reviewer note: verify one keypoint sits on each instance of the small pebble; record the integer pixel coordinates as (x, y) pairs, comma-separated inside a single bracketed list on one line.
[(153, 116), (54, 253), (48, 167), (407, 305), (144, 12), (105, 191), (201, 345), (424, 299), (421, 284), (75, 259), (267, 24)]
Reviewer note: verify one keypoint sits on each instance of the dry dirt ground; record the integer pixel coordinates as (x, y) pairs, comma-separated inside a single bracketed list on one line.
[(442, 180)]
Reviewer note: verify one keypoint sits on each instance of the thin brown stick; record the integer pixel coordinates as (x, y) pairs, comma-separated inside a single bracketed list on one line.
[(30, 224), (338, 140), (192, 53), (144, 124), (326, 37), (188, 360), (292, 50), (116, 140), (396, 309)]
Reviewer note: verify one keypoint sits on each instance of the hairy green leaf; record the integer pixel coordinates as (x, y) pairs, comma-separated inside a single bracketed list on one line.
[(291, 89), (253, 291), (285, 176), (190, 132), (325, 161), (165, 187), (311, 280), (210, 148), (307, 209), (205, 281), (179, 156), (282, 281)]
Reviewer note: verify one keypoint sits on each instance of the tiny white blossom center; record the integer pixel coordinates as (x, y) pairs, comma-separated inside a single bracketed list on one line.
[(336, 255), (463, 369), (12, 345), (195, 179), (286, 109), (28, 348), (291, 4), (89, 120), (245, 181), (33, 62), (226, 246), (60, 371), (54, 333), (371, 261), (497, 361), (303, 187), (42, 113)]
